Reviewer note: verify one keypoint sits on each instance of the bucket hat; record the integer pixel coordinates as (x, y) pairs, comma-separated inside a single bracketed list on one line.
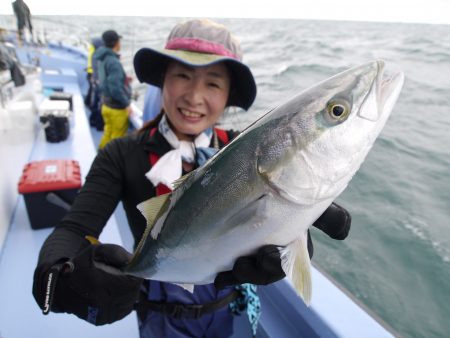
[(199, 42)]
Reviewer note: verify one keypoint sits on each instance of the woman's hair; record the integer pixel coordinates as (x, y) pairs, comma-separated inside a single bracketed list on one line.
[(152, 123)]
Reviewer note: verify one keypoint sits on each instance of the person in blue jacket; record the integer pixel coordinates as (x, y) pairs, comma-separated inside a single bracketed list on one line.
[(115, 88), (200, 72)]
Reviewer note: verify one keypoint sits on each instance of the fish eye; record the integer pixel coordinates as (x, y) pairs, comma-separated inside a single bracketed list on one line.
[(338, 109)]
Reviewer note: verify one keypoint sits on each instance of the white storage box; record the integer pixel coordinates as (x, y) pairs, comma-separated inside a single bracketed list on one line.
[(54, 115)]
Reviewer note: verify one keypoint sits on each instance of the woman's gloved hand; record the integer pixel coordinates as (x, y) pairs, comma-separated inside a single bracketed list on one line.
[(80, 287), (335, 222), (264, 267)]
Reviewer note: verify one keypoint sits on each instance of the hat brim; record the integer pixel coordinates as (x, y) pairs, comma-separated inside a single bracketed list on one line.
[(150, 66)]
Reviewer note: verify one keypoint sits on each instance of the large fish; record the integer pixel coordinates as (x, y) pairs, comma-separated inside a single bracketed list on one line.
[(268, 185)]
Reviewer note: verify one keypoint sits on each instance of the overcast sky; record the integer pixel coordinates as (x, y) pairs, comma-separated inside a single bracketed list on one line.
[(425, 11)]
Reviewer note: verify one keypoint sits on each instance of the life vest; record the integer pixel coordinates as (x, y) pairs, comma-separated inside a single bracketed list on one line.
[(162, 189), (91, 51)]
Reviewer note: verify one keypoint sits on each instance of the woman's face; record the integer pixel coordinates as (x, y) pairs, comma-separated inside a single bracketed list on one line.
[(194, 98)]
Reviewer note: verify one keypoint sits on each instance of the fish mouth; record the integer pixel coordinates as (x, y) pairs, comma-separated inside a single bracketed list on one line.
[(382, 96), (389, 90)]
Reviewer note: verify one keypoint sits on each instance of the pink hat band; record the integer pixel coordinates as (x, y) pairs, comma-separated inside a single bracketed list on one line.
[(199, 46)]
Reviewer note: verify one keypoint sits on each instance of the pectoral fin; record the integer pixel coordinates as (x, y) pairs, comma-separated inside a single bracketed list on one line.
[(297, 266), (255, 212)]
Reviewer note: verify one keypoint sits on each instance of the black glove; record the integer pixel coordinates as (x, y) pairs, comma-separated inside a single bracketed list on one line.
[(262, 268), (335, 222), (78, 286)]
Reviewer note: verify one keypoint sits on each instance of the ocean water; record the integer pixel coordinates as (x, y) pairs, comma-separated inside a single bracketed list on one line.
[(396, 260)]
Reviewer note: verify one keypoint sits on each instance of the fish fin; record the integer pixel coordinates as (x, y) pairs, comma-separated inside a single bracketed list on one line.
[(254, 212), (182, 179), (187, 287), (297, 266), (153, 208)]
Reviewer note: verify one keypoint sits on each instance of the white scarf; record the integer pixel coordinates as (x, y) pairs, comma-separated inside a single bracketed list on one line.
[(170, 166)]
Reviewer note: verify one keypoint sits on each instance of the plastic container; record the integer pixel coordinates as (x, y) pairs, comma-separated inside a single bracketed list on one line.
[(49, 188), (54, 115), (62, 96)]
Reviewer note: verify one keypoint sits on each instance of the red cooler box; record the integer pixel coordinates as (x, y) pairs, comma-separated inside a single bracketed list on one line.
[(49, 189)]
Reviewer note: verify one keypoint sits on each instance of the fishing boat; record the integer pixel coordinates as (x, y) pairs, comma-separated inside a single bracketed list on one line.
[(50, 65)]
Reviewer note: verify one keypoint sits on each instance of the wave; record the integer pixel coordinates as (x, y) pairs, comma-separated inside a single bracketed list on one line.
[(313, 68), (418, 227)]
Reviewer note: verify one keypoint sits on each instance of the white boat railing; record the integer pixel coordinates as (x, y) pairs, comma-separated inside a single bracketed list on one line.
[(56, 30)]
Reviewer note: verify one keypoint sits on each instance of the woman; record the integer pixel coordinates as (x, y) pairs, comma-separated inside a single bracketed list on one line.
[(200, 72)]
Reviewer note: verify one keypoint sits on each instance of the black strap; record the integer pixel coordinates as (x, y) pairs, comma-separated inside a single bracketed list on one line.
[(189, 311), (51, 280)]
